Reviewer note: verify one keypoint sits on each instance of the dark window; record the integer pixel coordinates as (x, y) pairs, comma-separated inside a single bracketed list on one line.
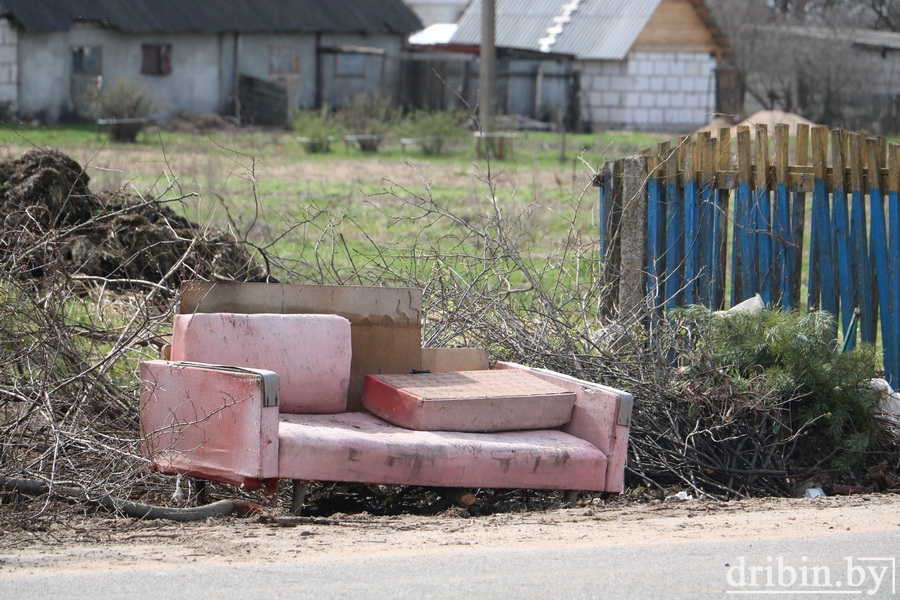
[(351, 65), (87, 60), (284, 60), (156, 59)]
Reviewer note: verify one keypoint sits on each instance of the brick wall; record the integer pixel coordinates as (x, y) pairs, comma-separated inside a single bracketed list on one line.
[(658, 91)]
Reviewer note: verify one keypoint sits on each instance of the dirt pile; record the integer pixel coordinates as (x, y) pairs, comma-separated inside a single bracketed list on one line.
[(54, 223), (197, 123), (768, 118)]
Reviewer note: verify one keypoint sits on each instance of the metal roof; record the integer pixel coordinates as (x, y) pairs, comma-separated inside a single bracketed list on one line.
[(216, 16), (439, 33), (596, 29)]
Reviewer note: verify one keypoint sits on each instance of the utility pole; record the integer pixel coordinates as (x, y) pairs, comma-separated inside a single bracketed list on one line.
[(487, 77)]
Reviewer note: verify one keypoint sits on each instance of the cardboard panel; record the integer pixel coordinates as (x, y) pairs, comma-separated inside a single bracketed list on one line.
[(444, 360), (385, 323)]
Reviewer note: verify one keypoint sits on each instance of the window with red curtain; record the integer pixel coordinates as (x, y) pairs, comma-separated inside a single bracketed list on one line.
[(156, 59)]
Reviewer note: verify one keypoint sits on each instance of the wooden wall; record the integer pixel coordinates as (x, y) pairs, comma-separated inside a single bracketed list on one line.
[(676, 26)]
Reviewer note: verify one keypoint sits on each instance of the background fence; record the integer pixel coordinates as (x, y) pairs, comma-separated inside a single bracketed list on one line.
[(715, 220)]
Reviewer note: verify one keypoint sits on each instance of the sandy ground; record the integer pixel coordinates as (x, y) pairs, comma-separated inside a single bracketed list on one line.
[(109, 543)]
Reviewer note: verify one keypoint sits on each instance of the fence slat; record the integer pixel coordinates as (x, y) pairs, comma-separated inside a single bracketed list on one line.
[(798, 216), (655, 227), (745, 219), (875, 296), (723, 199), (604, 209), (841, 223), (674, 243), (823, 258), (782, 226), (762, 203), (892, 371), (610, 216), (859, 241), (878, 242), (708, 237), (691, 224)]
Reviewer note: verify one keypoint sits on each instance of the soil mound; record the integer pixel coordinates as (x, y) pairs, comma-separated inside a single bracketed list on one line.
[(769, 118), (197, 123), (53, 223)]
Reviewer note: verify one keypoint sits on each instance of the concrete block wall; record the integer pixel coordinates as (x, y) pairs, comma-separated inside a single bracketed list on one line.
[(9, 67), (656, 91)]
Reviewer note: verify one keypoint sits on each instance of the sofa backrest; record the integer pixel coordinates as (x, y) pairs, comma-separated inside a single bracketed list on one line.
[(385, 323), (309, 352)]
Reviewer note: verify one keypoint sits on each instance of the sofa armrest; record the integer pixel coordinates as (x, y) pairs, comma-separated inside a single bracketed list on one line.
[(601, 416), (210, 421)]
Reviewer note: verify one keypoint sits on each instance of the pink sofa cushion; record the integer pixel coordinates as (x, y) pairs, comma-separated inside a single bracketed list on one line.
[(361, 447), (310, 353), (208, 422), (468, 401)]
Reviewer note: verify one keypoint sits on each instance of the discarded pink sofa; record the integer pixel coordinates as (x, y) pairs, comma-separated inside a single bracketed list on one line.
[(249, 399)]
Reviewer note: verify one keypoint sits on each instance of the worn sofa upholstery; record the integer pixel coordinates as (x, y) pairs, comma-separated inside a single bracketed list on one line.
[(278, 410)]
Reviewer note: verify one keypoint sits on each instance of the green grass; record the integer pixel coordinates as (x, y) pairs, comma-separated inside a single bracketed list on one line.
[(543, 149), (346, 221), (542, 188)]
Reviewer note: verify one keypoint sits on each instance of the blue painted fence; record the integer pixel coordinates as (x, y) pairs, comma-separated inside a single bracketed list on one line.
[(730, 218)]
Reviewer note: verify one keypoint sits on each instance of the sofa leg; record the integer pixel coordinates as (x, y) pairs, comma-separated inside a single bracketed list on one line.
[(571, 497), (200, 491), (460, 497), (300, 489)]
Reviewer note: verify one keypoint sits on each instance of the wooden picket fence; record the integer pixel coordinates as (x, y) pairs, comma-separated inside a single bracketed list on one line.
[(715, 221)]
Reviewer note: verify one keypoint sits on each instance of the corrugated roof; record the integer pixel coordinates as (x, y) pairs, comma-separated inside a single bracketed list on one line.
[(597, 30), (215, 16)]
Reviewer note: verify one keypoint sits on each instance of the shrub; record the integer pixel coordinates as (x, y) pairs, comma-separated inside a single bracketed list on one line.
[(789, 359), (369, 117), (316, 128), (124, 99), (435, 129)]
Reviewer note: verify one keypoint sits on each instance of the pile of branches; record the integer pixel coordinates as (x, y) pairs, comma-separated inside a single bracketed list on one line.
[(88, 281), (765, 403), (699, 424), (716, 440)]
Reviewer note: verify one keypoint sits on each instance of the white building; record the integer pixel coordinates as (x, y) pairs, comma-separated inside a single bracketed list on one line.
[(194, 55), (643, 64)]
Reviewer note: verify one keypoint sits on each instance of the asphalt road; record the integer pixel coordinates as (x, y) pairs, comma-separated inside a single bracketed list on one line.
[(845, 564)]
